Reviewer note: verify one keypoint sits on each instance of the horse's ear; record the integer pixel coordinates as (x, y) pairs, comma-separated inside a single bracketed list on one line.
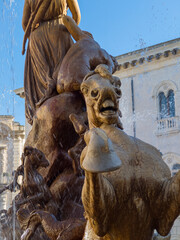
[(27, 150)]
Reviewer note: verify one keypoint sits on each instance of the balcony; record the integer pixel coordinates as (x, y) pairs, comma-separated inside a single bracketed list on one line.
[(168, 125)]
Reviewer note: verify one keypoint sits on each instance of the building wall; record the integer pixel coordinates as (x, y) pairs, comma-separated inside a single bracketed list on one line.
[(12, 136), (144, 74)]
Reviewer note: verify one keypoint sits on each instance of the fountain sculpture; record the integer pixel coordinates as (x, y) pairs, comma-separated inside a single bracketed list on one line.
[(120, 189)]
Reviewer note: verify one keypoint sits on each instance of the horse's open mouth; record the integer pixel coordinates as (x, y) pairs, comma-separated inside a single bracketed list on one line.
[(108, 108)]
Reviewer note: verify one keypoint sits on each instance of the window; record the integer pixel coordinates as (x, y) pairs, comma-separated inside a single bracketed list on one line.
[(171, 103), (175, 168), (173, 162), (164, 95), (166, 105)]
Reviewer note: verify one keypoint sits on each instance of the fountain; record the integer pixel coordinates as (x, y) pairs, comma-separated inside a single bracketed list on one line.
[(83, 177)]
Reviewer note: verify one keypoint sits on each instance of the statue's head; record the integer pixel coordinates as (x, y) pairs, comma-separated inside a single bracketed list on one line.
[(101, 91), (35, 157)]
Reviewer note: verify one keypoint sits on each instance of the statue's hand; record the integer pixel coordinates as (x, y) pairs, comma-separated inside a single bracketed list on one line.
[(100, 155)]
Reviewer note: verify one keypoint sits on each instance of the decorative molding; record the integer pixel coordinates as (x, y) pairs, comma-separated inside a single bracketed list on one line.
[(141, 60), (171, 158), (148, 59), (171, 154), (164, 86), (126, 65), (133, 63)]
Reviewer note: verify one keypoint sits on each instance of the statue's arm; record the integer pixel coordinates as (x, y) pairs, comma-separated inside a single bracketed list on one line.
[(74, 8), (169, 204), (26, 14), (99, 201), (73, 28)]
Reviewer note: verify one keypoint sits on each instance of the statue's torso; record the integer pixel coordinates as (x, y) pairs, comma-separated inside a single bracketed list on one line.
[(54, 10)]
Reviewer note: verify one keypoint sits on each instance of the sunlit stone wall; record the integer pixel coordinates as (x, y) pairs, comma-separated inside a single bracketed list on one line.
[(144, 75), (12, 136)]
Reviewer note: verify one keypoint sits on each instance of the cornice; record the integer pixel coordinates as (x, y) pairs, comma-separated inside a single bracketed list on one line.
[(151, 48), (146, 59)]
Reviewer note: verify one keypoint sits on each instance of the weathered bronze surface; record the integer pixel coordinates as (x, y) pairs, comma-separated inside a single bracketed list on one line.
[(100, 156), (127, 188), (53, 132), (81, 58), (48, 44), (71, 229), (129, 203)]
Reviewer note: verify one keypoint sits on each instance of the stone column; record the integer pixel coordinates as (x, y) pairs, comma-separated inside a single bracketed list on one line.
[(2, 164), (177, 103)]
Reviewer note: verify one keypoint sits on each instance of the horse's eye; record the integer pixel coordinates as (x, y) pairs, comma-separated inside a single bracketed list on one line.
[(94, 93)]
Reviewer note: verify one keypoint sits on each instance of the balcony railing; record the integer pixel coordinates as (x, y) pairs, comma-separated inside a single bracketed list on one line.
[(168, 125)]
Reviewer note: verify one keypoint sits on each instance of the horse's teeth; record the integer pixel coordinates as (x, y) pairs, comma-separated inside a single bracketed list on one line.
[(108, 103)]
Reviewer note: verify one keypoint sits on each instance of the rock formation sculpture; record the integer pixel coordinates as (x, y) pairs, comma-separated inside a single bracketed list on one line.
[(129, 202)]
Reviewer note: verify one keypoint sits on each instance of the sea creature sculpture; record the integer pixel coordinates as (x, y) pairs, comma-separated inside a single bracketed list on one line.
[(62, 200), (71, 229), (34, 188), (130, 199)]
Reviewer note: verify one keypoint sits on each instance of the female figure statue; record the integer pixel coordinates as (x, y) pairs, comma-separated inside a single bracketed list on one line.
[(49, 42)]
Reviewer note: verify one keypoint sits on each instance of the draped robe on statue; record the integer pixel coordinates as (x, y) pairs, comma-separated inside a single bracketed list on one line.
[(48, 44)]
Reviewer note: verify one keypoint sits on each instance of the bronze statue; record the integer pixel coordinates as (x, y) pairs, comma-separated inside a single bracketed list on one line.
[(127, 188), (48, 44), (53, 115), (34, 189), (53, 127), (81, 58), (71, 229), (36, 202), (140, 196)]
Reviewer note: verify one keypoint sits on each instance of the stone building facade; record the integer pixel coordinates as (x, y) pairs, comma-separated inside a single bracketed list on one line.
[(12, 136), (150, 101)]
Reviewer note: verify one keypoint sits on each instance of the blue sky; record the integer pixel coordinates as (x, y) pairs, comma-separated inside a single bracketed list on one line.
[(119, 27)]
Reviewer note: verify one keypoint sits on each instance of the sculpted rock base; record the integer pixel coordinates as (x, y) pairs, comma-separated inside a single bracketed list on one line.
[(53, 132)]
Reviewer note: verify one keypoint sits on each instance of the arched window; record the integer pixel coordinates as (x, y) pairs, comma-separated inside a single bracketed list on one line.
[(166, 104), (162, 105), (173, 162), (171, 104)]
